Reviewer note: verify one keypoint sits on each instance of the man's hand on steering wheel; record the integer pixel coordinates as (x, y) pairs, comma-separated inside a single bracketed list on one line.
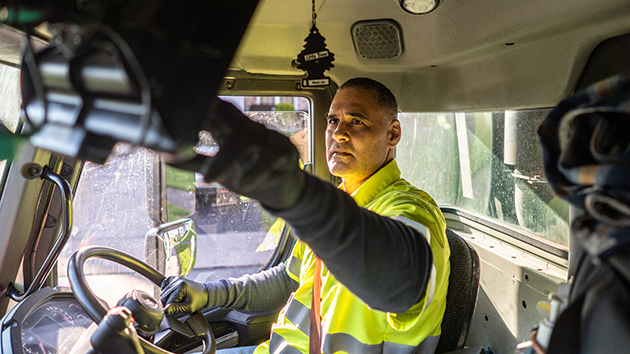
[(183, 295), (194, 328)]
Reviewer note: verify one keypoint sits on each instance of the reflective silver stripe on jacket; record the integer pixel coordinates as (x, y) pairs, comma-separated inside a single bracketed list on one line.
[(423, 230), (428, 345), (346, 343), (295, 266), (299, 315), (277, 345), (427, 235)]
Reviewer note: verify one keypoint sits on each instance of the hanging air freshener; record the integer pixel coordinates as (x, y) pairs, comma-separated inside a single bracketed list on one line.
[(315, 58)]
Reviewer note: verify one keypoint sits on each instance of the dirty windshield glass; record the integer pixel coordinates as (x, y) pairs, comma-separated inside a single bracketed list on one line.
[(110, 209)]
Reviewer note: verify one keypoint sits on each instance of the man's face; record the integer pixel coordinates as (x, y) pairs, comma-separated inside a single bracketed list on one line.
[(359, 138)]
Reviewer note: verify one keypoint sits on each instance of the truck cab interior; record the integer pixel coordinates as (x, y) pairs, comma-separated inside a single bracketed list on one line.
[(104, 102)]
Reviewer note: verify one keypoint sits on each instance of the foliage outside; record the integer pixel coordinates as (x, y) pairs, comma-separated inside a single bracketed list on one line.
[(284, 106), (180, 179)]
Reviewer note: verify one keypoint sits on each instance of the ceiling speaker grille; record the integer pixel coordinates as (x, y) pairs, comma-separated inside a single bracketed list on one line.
[(378, 39)]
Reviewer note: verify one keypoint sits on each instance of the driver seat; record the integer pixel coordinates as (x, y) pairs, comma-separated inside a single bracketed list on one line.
[(461, 297)]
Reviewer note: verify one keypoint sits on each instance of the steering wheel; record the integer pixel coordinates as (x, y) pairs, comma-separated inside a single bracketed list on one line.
[(97, 309)]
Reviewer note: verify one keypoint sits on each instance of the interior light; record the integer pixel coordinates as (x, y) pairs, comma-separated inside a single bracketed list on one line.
[(419, 7)]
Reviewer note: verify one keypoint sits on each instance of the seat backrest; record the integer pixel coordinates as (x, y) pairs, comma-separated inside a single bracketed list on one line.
[(461, 298)]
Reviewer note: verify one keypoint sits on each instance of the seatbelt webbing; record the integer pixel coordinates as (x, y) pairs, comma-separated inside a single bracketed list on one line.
[(314, 343)]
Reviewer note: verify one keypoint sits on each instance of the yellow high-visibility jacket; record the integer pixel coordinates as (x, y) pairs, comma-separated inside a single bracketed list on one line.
[(348, 325)]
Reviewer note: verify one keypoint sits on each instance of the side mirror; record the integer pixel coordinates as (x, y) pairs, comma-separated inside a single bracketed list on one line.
[(171, 248)]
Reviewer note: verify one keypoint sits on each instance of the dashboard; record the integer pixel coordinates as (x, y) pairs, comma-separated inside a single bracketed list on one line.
[(50, 321)]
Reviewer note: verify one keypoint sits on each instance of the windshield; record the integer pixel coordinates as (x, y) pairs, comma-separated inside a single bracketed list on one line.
[(117, 203), (487, 163)]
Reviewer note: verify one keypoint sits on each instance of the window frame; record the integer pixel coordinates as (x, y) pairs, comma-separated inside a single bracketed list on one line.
[(240, 84)]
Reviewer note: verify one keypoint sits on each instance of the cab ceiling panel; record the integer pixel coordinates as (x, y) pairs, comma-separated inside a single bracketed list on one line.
[(460, 35)]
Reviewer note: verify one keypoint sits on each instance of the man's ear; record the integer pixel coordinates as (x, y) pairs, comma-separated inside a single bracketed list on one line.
[(394, 133)]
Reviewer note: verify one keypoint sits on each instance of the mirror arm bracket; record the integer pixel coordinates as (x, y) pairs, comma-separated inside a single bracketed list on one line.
[(62, 238)]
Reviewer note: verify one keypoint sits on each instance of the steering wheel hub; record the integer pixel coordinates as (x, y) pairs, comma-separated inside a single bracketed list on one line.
[(147, 312)]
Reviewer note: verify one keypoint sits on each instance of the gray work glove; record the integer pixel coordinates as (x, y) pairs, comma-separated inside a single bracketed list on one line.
[(253, 161), (182, 295)]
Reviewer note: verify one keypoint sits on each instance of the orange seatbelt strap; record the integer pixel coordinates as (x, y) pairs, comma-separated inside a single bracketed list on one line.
[(314, 343)]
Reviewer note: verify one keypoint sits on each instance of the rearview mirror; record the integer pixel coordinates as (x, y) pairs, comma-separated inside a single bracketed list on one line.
[(171, 248)]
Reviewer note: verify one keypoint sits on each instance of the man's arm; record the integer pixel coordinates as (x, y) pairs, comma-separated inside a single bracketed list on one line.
[(266, 290)]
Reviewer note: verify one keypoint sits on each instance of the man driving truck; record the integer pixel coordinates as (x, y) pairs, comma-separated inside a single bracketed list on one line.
[(384, 266)]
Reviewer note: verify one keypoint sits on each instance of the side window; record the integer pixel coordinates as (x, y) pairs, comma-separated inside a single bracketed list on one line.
[(489, 163), (117, 203)]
